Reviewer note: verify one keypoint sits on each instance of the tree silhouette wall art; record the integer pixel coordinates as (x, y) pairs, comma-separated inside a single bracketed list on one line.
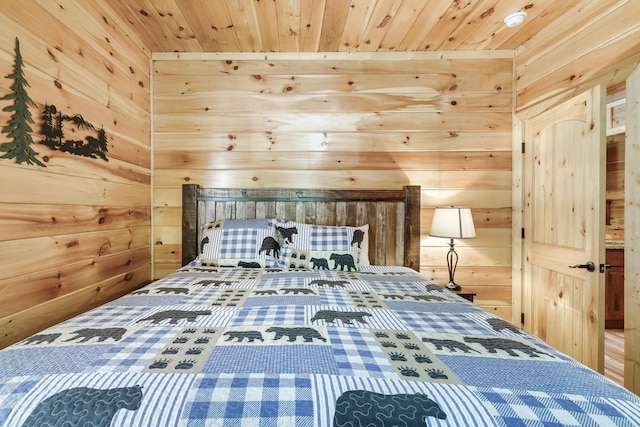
[(18, 129), (53, 127)]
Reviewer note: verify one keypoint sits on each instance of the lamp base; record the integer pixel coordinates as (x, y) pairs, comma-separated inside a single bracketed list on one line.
[(452, 286)]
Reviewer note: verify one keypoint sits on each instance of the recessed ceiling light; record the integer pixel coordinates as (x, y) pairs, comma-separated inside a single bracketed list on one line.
[(515, 19)]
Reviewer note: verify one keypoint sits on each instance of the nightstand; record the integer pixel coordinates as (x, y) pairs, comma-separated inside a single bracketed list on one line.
[(466, 295)]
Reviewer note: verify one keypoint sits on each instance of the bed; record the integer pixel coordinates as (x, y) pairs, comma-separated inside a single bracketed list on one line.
[(299, 308)]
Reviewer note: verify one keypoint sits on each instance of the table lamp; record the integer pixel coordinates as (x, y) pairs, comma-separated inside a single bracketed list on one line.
[(452, 222)]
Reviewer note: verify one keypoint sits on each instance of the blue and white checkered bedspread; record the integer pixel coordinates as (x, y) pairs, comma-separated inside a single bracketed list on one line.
[(236, 347)]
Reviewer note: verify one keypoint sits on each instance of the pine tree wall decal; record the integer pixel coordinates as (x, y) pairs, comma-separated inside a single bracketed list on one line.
[(18, 129)]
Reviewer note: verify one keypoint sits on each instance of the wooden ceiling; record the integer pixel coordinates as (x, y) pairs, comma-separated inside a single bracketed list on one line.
[(332, 25)]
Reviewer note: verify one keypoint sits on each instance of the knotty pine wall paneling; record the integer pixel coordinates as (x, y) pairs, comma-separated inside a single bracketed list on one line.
[(439, 120), (558, 63), (615, 187), (77, 232)]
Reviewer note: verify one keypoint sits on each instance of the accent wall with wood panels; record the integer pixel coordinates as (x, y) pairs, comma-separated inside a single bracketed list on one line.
[(345, 121), (557, 63), (76, 232)]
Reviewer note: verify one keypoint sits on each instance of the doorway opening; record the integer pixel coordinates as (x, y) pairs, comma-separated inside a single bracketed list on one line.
[(614, 233)]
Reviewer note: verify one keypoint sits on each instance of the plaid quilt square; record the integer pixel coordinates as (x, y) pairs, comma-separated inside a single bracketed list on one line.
[(134, 352), (271, 359), (281, 300), (388, 285), (429, 320), (335, 298), (329, 238), (282, 281), (530, 408), (12, 390), (272, 315), (406, 306), (111, 313), (239, 243), (357, 353), (44, 360), (250, 400), (528, 373)]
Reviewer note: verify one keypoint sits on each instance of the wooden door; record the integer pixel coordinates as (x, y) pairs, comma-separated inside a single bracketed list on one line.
[(632, 236), (565, 155)]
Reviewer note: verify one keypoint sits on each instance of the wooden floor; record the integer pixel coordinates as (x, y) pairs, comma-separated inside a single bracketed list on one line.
[(614, 355)]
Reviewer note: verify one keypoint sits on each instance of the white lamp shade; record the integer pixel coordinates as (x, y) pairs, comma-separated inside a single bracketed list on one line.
[(452, 222)]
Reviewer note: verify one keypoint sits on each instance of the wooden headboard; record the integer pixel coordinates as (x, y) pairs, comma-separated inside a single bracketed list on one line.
[(393, 215)]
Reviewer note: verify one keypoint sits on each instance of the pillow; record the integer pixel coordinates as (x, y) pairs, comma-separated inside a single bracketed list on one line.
[(293, 259), (301, 243), (241, 243)]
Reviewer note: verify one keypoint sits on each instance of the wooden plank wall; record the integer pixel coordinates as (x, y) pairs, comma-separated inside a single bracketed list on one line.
[(344, 121), (615, 187), (557, 64), (77, 232), (616, 120)]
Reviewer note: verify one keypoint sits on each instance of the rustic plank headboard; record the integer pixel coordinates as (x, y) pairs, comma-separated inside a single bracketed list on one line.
[(393, 215)]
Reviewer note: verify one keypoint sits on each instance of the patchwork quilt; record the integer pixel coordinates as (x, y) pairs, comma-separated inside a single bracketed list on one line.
[(380, 346)]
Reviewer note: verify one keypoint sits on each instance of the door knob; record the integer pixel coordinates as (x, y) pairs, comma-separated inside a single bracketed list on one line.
[(588, 266)]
